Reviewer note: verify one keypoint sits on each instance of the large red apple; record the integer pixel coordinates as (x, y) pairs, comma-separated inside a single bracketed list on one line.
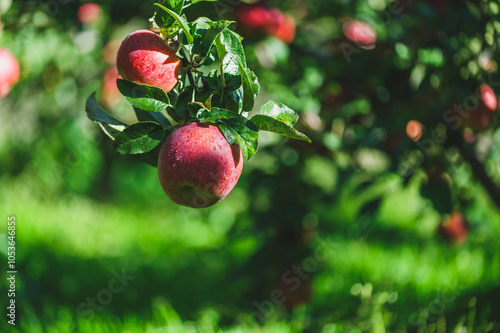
[(144, 57), (9, 71), (360, 33), (197, 167)]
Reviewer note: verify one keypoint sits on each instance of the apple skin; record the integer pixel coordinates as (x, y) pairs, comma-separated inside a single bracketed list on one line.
[(144, 57), (454, 228), (9, 72), (89, 13), (360, 33), (197, 167)]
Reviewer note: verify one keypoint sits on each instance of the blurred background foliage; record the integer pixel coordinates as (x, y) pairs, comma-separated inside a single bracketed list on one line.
[(349, 231)]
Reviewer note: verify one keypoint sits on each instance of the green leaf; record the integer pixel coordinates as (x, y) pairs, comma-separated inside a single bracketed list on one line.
[(151, 157), (280, 119), (173, 114), (270, 124), (111, 126), (231, 53), (186, 97), (280, 112), (234, 100), (231, 72), (192, 2), (179, 20), (232, 43), (244, 133), (139, 138), (142, 96), (152, 116), (209, 32), (215, 114), (236, 128), (212, 83), (250, 85), (163, 18)]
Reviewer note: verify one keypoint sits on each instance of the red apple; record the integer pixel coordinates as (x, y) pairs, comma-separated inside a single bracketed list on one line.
[(454, 228), (110, 94), (281, 26), (256, 19), (197, 167), (89, 13), (9, 71), (253, 16), (144, 57), (488, 96), (296, 294), (414, 130), (360, 33), (480, 117)]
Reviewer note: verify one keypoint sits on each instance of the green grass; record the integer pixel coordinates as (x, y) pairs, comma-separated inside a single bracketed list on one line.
[(191, 271)]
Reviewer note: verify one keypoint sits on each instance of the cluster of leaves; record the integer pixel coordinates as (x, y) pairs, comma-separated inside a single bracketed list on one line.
[(215, 86)]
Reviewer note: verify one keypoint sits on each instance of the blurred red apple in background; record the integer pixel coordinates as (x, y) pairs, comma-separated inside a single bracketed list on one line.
[(9, 71), (89, 13), (256, 19), (480, 118), (253, 16), (361, 33), (414, 130), (281, 26), (454, 228), (110, 95)]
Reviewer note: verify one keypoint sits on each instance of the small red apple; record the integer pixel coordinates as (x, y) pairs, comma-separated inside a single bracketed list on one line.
[(414, 130), (360, 33), (144, 57), (454, 228), (197, 167), (481, 117), (9, 71), (110, 95), (253, 16), (89, 13), (281, 26), (488, 96), (256, 19), (293, 295)]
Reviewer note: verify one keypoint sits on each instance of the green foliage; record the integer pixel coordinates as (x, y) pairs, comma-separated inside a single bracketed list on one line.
[(280, 119), (231, 90), (362, 195), (144, 97)]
